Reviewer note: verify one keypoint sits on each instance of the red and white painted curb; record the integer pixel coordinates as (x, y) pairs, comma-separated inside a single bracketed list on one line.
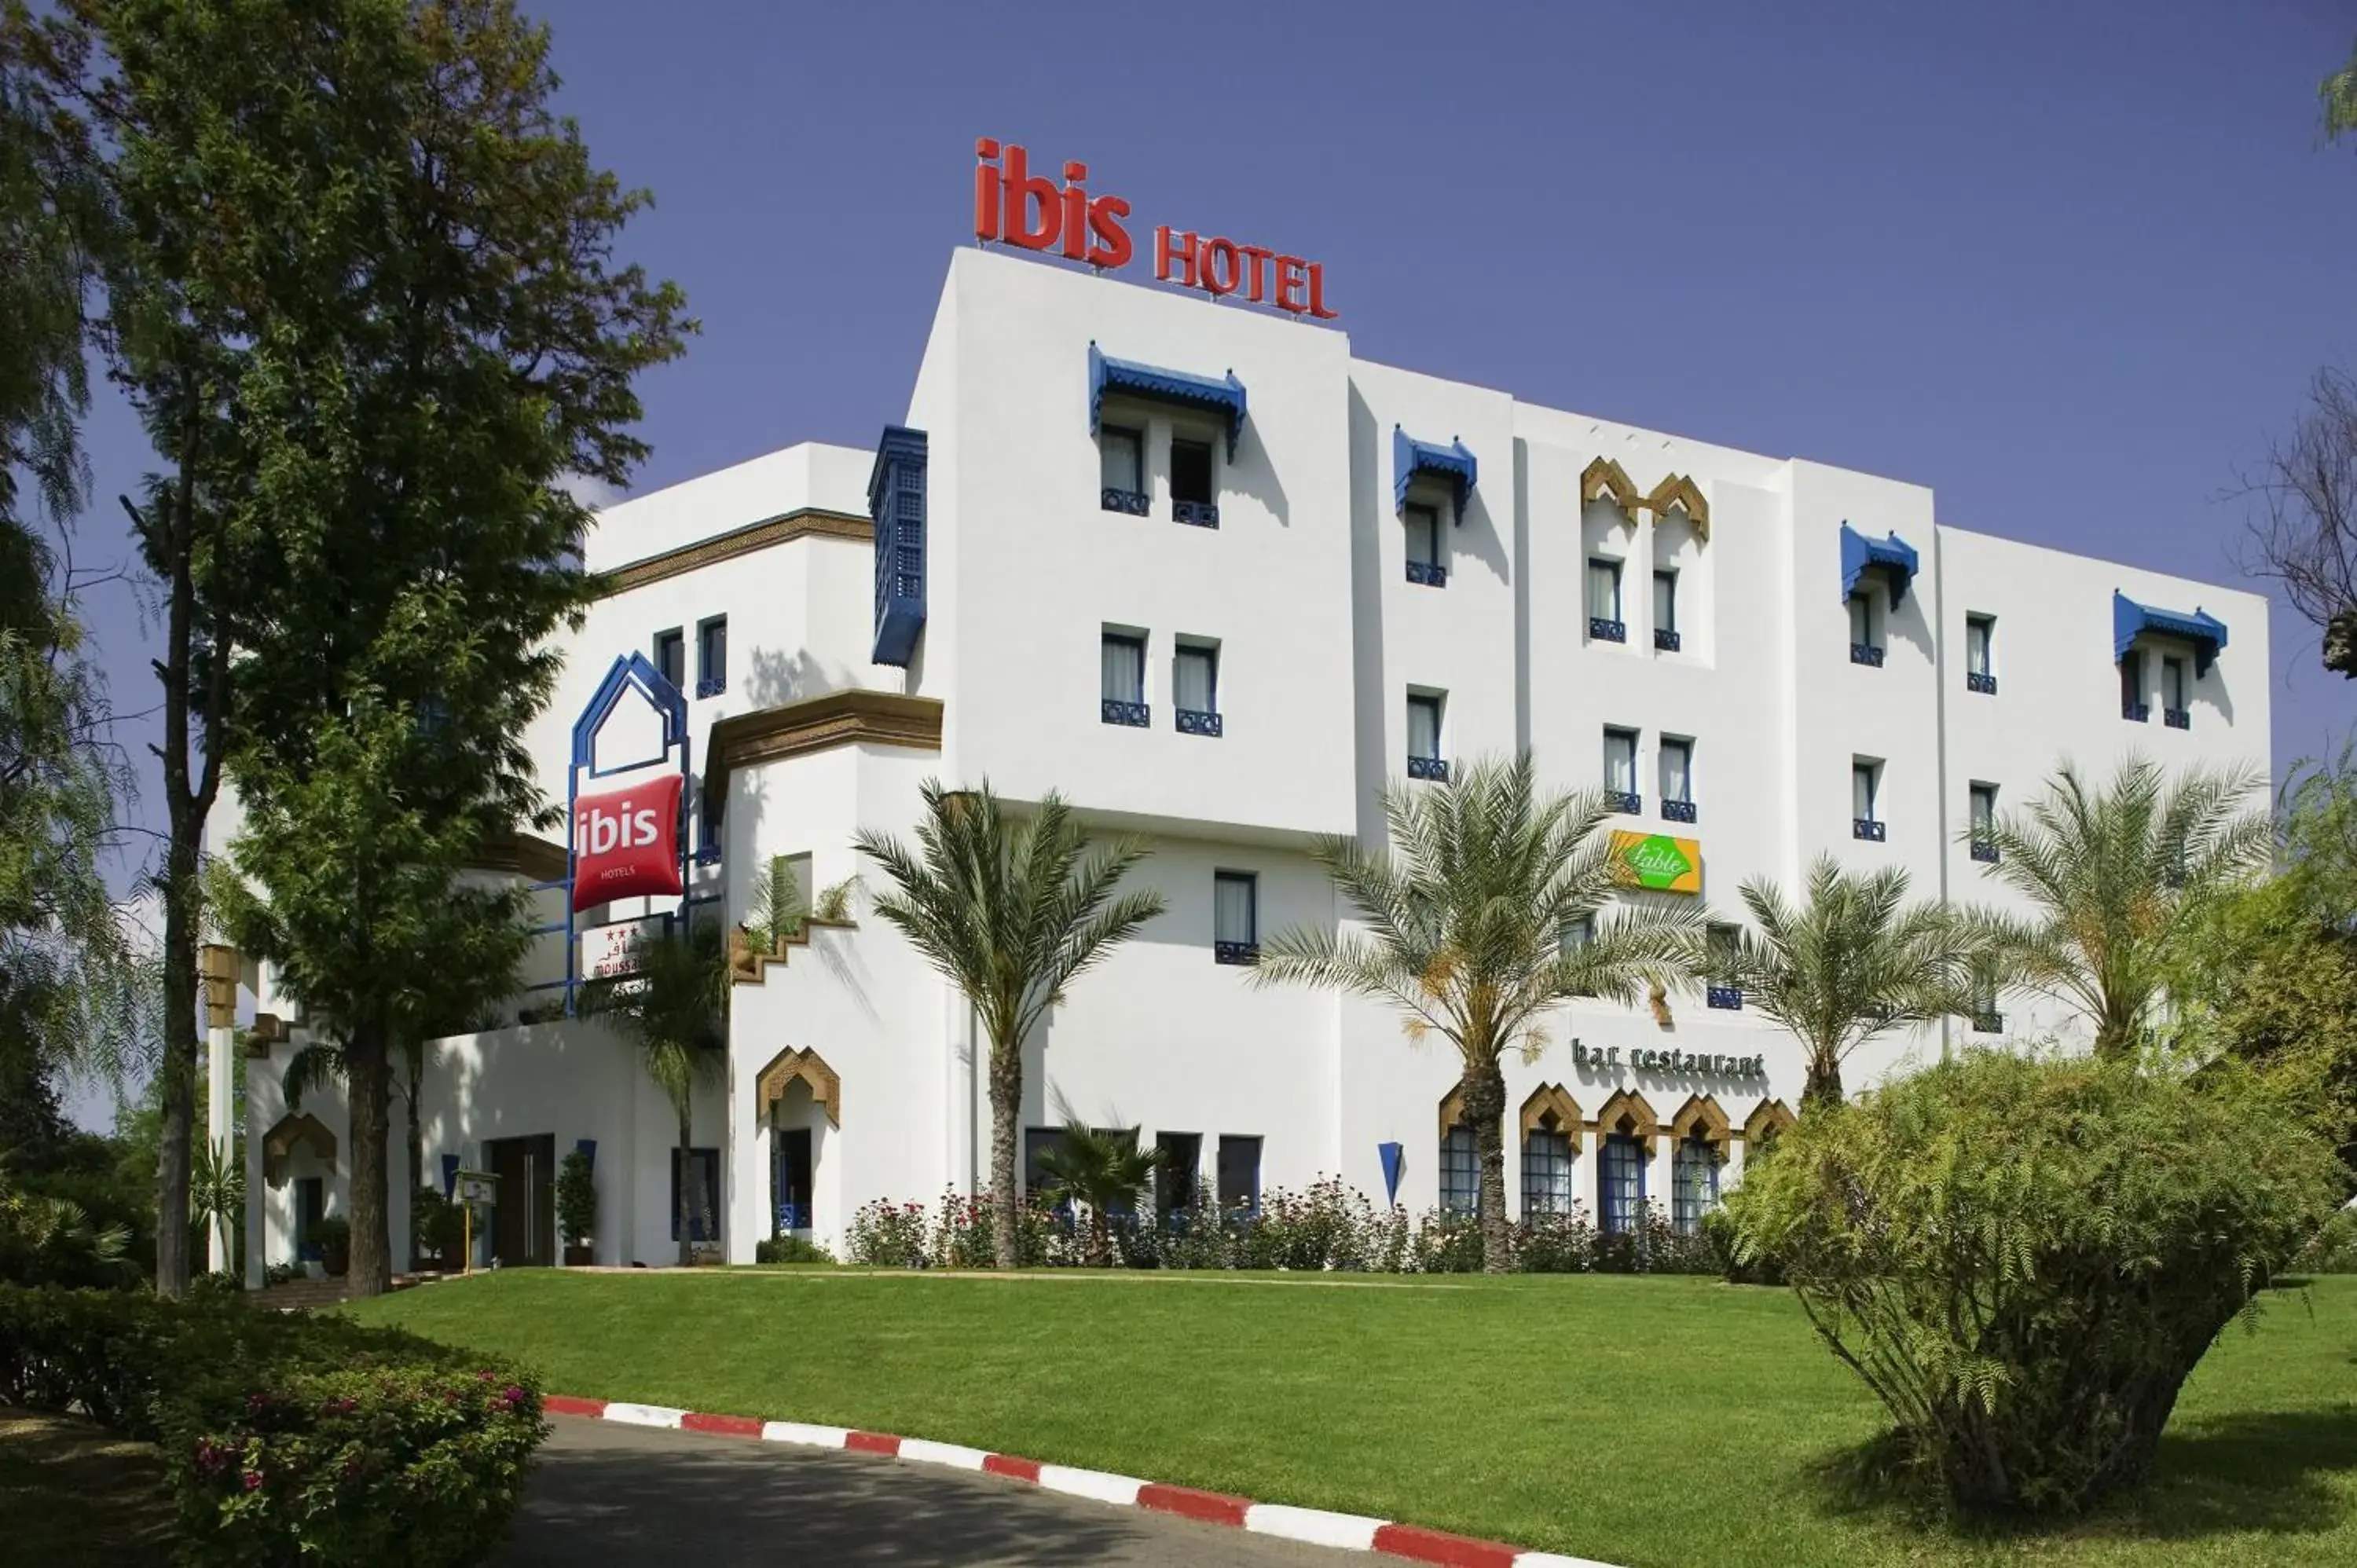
[(1352, 1532)]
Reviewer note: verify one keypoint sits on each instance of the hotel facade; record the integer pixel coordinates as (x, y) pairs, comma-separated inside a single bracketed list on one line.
[(1220, 584)]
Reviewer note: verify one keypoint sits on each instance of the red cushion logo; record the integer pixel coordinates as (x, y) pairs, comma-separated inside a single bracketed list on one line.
[(625, 842)]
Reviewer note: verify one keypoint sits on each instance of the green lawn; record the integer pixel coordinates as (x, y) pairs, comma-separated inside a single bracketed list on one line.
[(1640, 1421)]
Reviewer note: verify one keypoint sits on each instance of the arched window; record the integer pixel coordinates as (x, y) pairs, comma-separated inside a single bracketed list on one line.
[(1550, 1122), (1622, 1167), (1694, 1183)]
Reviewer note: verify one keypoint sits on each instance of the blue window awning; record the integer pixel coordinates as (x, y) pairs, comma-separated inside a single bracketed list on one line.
[(2131, 620), (1893, 554), (1452, 463), (1224, 397)]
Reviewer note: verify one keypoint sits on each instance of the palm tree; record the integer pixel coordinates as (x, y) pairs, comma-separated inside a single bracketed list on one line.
[(1854, 961), (2115, 874), (1104, 1171), (1464, 916), (1010, 914), (674, 1005)]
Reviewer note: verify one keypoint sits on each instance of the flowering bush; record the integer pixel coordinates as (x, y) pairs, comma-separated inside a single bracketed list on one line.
[(287, 1438), (889, 1235)]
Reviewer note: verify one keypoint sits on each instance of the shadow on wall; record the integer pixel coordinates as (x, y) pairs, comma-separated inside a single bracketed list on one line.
[(775, 677)]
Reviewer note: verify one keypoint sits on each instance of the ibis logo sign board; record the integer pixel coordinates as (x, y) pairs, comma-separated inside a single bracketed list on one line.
[(1658, 861), (625, 842)]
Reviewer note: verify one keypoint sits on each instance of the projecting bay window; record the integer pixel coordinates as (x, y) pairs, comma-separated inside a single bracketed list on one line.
[(1546, 1168), (1235, 917), (1195, 688), (1192, 499), (2175, 709), (2133, 706), (1423, 758), (1620, 771), (1666, 611), (1124, 680), (1620, 1168), (1694, 1184), (1120, 463), (1980, 654), (1460, 1177), (1865, 788), (1984, 834), (1677, 779), (1425, 564), (1604, 621), (1865, 630)]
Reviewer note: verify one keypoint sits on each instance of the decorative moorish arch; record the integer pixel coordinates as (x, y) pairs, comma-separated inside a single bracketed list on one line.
[(1768, 1119), (1628, 1114), (1550, 1110), (1700, 1117), (294, 1128), (1679, 490), (1452, 1110), (1604, 478), (826, 1085)]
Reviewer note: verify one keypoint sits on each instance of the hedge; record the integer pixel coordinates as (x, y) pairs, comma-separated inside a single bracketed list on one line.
[(286, 1439)]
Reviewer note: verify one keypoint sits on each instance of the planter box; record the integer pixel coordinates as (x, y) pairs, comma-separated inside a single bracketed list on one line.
[(579, 1257)]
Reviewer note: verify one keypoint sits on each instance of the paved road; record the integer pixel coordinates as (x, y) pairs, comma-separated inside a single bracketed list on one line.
[(626, 1495)]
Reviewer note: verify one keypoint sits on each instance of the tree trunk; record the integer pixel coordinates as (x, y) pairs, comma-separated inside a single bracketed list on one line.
[(1484, 1089), (1005, 1103), (368, 1077), (178, 1069), (1823, 1092), (686, 1196)]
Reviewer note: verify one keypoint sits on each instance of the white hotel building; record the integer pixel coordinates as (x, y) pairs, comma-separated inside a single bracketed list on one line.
[(1220, 582)]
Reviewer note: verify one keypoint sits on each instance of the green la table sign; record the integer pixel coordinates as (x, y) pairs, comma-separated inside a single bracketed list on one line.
[(1658, 861)]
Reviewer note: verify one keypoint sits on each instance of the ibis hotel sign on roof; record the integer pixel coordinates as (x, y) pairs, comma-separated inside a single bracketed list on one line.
[(1016, 207)]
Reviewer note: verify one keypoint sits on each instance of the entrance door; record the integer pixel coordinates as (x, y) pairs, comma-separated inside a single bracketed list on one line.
[(790, 1179), (523, 1214)]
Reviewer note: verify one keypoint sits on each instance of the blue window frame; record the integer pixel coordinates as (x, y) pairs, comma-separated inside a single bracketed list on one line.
[(703, 1201), (1547, 1171), (712, 656), (1235, 917), (670, 658), (1460, 1174), (1694, 1184), (1621, 1163), (1121, 676)]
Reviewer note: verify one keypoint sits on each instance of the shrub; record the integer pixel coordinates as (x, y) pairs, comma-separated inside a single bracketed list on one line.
[(2333, 1250), (51, 1240), (791, 1250), (577, 1199), (287, 1438), (437, 1227), (2024, 1258)]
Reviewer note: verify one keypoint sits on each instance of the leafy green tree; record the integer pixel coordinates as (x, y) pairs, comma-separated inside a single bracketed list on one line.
[(1461, 922), (1011, 913), (2114, 875), (2024, 1257), (674, 1005), (1854, 961), (1102, 1171)]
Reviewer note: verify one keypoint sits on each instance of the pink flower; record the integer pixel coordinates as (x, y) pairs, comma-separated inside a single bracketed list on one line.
[(254, 1480)]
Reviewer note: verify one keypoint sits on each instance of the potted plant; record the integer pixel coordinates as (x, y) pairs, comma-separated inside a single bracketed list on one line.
[(333, 1237), (434, 1228), (577, 1209)]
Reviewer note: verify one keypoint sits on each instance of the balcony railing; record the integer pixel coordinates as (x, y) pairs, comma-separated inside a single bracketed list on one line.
[(1989, 1023), (1866, 828), (1435, 768), (707, 855), (1624, 802), (1866, 653), (1602, 630), (1119, 712), (1134, 502), (1985, 850), (1235, 952), (1677, 810), (2137, 713), (1728, 998), (1431, 574), (712, 685), (1202, 514), (1192, 721), (1974, 681), (1664, 640), (2176, 718)]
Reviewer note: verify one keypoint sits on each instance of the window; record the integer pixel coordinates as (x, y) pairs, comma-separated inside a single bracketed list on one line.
[(1666, 611), (1235, 917), (1620, 769), (670, 656), (704, 1193), (1694, 1184), (1604, 622), (1123, 671), (1239, 1172), (2133, 707), (790, 1179), (1980, 667), (1987, 1019), (1121, 462), (1424, 759), (310, 1208), (712, 657), (1865, 630), (1573, 935), (1721, 944), (1546, 1168), (1190, 483), (1195, 688), (1038, 1142), (1984, 834), (1621, 1162), (709, 810), (1677, 779), (1179, 1171), (1864, 784), (2174, 710), (1423, 563), (1460, 1175)]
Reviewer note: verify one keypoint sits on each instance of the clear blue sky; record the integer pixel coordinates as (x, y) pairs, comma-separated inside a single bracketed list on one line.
[(2070, 265)]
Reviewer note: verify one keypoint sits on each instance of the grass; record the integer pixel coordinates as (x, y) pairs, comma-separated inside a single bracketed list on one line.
[(1638, 1420), (70, 1492)]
